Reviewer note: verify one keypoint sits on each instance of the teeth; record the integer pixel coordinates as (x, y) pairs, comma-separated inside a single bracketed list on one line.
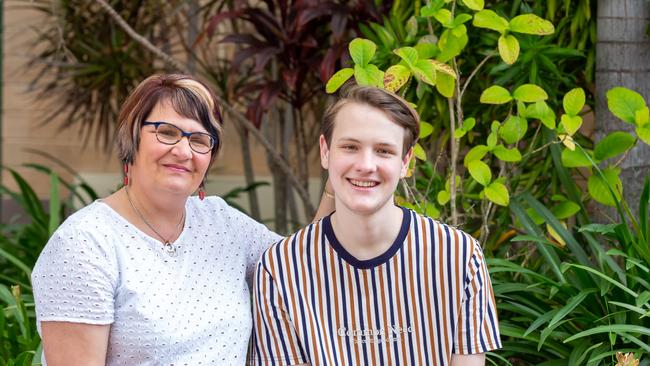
[(360, 183)]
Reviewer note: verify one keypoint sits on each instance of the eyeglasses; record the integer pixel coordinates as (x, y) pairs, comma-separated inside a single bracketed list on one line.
[(170, 134)]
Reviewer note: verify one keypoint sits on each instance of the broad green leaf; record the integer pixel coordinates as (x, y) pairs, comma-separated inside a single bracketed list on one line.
[(492, 140), (494, 127), (461, 19), (443, 16), (430, 210), (426, 50), (338, 79), (508, 48), (431, 8), (442, 67), (445, 84), (395, 77), (529, 93), (475, 5), (624, 103), (369, 75), (490, 20), (497, 193), (613, 144), (531, 24), (565, 209), (644, 134), (411, 28), (480, 172), (426, 129), (571, 124), (642, 117), (419, 152), (575, 158), (541, 111), (467, 126), (573, 101), (495, 95), (509, 155), (362, 50), (513, 129), (597, 186), (425, 71), (599, 228), (451, 43), (443, 197), (475, 153), (459, 133), (408, 54)]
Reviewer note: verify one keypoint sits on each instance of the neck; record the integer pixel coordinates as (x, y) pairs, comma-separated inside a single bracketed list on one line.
[(156, 206), (367, 236)]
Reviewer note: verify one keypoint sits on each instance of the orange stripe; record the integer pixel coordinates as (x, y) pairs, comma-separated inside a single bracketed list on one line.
[(256, 300), (443, 294), (355, 345), (371, 345), (486, 327), (416, 315), (337, 315), (268, 311), (400, 321), (385, 310), (475, 310), (428, 309), (287, 268), (320, 298), (303, 258)]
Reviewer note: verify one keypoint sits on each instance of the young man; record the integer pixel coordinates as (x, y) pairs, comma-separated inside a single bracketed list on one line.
[(373, 283)]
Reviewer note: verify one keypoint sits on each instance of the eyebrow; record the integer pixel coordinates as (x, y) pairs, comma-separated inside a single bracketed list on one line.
[(351, 139)]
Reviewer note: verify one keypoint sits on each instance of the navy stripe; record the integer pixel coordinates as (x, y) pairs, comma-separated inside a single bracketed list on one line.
[(392, 313), (301, 301), (434, 274), (377, 319), (407, 305), (420, 293), (284, 295), (450, 282), (344, 309), (361, 339), (328, 300)]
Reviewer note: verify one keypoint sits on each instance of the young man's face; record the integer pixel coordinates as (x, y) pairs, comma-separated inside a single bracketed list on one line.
[(365, 158)]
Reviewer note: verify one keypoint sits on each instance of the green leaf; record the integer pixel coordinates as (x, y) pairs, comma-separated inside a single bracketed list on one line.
[(338, 79), (461, 19), (426, 50), (443, 197), (442, 67), (55, 204), (508, 48), (443, 16), (614, 328), (430, 210), (419, 152), (411, 28), (490, 20), (531, 24), (644, 134), (624, 103), (572, 304), (362, 51), (475, 153), (467, 126), (571, 124), (541, 111), (513, 129), (426, 129), (408, 54), (599, 228), (642, 117), (492, 140), (497, 193), (425, 71), (509, 155), (395, 77), (445, 84), (475, 5), (480, 172), (495, 95), (431, 8), (573, 101), (451, 43), (598, 187), (565, 209), (575, 158), (368, 75), (613, 144), (529, 93)]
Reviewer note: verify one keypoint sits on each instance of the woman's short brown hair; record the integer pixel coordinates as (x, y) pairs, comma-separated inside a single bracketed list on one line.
[(397, 109), (189, 97)]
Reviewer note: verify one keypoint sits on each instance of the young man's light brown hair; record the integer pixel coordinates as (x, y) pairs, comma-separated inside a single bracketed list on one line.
[(396, 109), (189, 97)]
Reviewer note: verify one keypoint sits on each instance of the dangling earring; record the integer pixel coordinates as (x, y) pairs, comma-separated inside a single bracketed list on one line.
[(126, 174), (202, 191)]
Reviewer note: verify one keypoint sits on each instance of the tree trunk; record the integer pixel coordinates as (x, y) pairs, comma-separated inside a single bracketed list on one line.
[(622, 59)]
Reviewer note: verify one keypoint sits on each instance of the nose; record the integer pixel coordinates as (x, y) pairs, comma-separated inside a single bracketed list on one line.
[(182, 148), (366, 161)]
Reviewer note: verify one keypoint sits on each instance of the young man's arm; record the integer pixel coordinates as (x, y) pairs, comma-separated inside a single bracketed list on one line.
[(468, 360)]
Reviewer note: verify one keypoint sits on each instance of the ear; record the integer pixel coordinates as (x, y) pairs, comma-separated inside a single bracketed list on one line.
[(324, 153), (405, 162)]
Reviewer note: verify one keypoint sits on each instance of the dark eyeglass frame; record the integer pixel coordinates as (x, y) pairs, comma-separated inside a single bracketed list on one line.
[(213, 139)]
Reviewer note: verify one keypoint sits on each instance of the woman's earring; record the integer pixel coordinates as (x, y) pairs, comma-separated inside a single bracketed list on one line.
[(202, 191), (126, 174)]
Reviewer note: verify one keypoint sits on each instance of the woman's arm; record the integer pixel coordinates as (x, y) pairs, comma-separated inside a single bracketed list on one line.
[(72, 344), (468, 360)]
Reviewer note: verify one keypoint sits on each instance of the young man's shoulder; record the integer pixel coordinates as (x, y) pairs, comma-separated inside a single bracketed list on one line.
[(296, 243)]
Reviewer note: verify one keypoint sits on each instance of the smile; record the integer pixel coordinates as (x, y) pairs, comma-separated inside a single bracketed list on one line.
[(175, 167), (362, 183)]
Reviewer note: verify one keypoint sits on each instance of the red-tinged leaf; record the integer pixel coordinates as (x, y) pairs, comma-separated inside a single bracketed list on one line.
[(264, 56), (268, 95), (214, 21), (328, 65), (245, 39), (338, 25), (290, 77)]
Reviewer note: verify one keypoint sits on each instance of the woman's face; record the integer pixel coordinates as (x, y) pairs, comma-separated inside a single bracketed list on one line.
[(173, 169)]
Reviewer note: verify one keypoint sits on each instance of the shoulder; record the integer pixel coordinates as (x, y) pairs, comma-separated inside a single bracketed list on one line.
[(296, 244), (440, 233), (90, 223), (215, 207)]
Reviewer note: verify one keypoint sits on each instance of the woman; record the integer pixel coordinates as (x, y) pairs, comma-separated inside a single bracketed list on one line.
[(150, 275)]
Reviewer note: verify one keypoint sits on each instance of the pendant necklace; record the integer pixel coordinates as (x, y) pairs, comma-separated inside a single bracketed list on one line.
[(170, 249)]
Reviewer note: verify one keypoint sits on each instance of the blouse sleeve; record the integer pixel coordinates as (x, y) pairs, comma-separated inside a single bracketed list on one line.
[(478, 325), (74, 279)]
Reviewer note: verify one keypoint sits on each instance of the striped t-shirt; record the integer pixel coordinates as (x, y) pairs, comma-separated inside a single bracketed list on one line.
[(427, 297)]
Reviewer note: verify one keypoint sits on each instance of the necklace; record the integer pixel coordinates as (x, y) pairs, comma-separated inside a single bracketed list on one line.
[(170, 249)]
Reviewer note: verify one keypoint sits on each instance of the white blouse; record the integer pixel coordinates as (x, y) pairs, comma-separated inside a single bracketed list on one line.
[(192, 309)]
